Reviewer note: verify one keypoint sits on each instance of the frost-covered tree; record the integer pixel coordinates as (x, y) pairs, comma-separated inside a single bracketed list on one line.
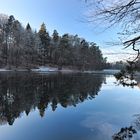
[(21, 47)]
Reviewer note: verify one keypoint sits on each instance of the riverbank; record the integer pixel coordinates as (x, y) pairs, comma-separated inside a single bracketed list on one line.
[(49, 69), (39, 69), (54, 69)]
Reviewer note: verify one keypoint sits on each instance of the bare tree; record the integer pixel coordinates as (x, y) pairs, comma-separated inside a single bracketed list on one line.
[(125, 13)]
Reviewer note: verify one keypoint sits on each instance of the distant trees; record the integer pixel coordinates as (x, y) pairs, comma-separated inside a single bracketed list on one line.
[(24, 48), (119, 65)]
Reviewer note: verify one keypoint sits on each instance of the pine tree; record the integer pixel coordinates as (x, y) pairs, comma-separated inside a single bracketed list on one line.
[(55, 37), (45, 40), (28, 27), (63, 46)]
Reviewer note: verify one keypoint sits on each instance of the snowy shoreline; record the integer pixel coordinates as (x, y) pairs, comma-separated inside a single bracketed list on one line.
[(40, 69), (48, 69), (53, 69)]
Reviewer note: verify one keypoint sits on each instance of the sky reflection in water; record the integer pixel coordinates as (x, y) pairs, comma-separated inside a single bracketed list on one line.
[(65, 107)]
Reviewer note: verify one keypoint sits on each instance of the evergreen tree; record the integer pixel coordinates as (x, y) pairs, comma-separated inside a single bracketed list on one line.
[(55, 44), (29, 47), (28, 27), (45, 40), (84, 54), (63, 46), (55, 37)]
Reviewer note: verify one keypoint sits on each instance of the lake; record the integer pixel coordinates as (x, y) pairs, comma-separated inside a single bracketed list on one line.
[(60, 106)]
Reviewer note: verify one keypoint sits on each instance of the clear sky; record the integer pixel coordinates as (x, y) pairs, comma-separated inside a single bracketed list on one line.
[(66, 16)]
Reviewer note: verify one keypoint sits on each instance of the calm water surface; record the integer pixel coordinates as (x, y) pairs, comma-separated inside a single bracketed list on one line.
[(66, 107)]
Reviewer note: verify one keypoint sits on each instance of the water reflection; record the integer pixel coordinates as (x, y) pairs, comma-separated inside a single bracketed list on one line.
[(24, 92), (128, 132), (125, 133)]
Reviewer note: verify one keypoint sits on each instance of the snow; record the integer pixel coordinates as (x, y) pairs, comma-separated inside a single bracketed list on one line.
[(53, 69), (64, 70), (1, 70), (45, 69)]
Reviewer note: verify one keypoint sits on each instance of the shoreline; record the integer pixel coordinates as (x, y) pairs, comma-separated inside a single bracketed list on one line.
[(48, 69)]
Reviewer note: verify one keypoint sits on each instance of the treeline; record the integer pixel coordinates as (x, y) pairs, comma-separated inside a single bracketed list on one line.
[(116, 65), (25, 48)]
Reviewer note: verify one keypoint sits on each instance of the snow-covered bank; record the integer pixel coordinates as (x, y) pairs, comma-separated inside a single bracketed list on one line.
[(53, 69), (66, 70), (13, 69), (45, 69), (3, 69), (105, 71), (48, 69)]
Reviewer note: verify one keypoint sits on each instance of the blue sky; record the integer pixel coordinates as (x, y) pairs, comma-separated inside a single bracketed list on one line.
[(66, 16)]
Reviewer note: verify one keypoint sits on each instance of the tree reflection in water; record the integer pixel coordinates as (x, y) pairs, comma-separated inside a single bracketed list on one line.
[(125, 133), (24, 92)]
